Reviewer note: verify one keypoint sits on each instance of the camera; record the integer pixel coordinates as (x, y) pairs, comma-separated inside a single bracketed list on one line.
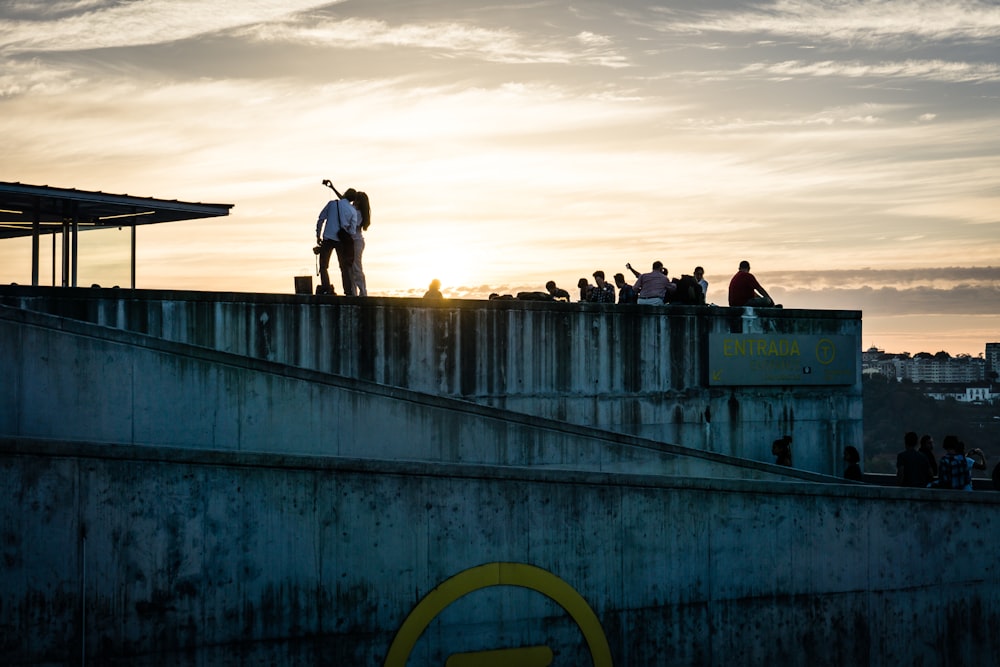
[(317, 249)]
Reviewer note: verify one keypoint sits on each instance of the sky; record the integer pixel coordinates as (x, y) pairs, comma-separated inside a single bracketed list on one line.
[(849, 150)]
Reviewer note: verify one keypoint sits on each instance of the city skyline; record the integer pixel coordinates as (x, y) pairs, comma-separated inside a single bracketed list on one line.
[(847, 149)]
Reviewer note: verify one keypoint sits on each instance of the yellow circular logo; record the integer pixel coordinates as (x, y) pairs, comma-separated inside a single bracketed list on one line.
[(501, 574), (825, 351)]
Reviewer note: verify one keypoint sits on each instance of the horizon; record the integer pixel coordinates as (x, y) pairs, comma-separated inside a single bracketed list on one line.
[(914, 354), (847, 149)]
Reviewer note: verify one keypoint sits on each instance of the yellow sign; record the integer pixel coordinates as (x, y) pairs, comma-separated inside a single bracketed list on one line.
[(500, 574), (782, 359)]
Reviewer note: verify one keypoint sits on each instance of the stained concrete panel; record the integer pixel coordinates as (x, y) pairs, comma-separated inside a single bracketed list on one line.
[(640, 370), (191, 397), (305, 558), (243, 510)]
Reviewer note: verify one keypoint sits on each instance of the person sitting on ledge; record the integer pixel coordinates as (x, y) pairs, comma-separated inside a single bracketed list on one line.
[(603, 291), (558, 293), (699, 275), (434, 290), (744, 288), (626, 294)]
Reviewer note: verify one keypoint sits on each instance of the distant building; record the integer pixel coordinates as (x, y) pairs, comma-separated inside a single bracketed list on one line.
[(992, 359), (933, 368), (876, 362), (963, 378), (981, 392)]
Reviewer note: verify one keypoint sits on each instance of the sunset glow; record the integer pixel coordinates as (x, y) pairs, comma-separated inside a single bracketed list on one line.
[(847, 149)]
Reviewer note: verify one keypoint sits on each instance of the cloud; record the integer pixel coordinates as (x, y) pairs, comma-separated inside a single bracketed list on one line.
[(93, 25), (891, 301), (923, 70), (520, 140), (954, 290), (48, 8), (854, 22), (31, 77), (453, 39), (902, 278)]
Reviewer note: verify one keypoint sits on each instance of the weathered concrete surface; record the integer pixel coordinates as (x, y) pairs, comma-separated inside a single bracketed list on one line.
[(184, 557), (636, 369), (212, 508), (72, 380)]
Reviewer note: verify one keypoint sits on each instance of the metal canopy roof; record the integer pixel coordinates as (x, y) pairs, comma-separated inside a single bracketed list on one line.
[(20, 203), (34, 210)]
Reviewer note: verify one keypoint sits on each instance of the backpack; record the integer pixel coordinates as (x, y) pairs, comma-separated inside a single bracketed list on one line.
[(364, 209), (954, 472), (689, 292)]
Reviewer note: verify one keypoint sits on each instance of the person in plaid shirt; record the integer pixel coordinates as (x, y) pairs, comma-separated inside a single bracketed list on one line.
[(953, 471), (603, 291)]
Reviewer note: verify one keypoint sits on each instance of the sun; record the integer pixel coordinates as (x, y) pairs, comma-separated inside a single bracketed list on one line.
[(411, 265)]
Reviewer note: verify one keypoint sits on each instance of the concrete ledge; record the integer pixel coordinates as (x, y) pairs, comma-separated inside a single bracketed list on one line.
[(830, 488), (363, 417), (18, 292), (641, 370)]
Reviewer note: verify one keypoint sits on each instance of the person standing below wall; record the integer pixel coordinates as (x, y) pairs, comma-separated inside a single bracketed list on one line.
[(744, 290), (782, 450), (953, 469), (974, 458), (927, 449), (912, 468), (853, 460), (335, 232)]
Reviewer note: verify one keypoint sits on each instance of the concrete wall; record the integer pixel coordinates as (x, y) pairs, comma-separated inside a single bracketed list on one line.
[(170, 504), (71, 380), (637, 369), (151, 557)]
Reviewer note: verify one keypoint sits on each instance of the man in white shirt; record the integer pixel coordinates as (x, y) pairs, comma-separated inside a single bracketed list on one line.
[(699, 275), (335, 229)]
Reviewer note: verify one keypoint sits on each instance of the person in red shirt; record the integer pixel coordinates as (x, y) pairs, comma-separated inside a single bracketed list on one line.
[(744, 289)]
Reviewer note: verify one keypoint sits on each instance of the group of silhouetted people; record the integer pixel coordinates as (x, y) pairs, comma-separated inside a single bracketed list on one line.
[(652, 288), (782, 450), (917, 467), (340, 224), (656, 287)]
